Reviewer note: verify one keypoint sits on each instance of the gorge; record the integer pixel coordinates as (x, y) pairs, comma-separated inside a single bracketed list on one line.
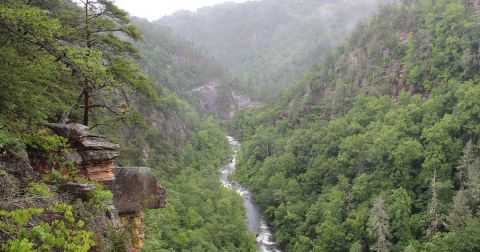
[(257, 223), (358, 122)]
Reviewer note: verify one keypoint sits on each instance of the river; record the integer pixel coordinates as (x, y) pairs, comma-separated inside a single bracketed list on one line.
[(254, 214)]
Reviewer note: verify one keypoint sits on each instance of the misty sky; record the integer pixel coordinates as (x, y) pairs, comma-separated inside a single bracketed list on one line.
[(154, 9)]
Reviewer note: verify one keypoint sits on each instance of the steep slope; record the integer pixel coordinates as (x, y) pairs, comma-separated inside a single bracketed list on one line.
[(377, 147), (184, 147), (44, 68), (270, 43), (177, 65)]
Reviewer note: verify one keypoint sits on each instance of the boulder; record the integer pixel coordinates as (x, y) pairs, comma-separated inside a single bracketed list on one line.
[(71, 130), (98, 156), (96, 143), (74, 157), (81, 190), (136, 188)]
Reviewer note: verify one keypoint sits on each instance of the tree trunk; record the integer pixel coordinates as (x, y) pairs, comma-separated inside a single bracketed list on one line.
[(86, 83), (86, 109)]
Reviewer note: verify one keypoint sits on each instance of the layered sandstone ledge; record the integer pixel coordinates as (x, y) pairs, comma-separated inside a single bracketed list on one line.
[(133, 188), (93, 154)]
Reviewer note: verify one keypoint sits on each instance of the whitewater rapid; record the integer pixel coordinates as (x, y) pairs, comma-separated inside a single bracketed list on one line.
[(254, 213)]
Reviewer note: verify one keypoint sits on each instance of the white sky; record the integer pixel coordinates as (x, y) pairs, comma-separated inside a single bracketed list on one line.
[(154, 9)]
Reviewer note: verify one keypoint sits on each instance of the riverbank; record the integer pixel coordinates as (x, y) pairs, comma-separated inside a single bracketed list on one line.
[(254, 214)]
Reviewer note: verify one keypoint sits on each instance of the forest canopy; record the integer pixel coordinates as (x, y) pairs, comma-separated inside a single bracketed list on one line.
[(376, 149), (81, 62), (367, 137)]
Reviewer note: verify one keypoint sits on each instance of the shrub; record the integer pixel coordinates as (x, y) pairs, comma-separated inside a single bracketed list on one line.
[(9, 184), (101, 199), (46, 142), (38, 189), (11, 143), (51, 229)]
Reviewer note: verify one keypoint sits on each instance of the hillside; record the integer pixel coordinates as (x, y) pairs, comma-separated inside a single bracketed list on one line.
[(112, 128), (177, 65), (270, 44), (376, 148), (56, 69)]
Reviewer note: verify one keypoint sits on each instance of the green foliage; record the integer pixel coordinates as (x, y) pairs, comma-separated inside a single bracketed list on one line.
[(269, 44), (54, 177), (11, 142), (19, 246), (368, 146), (36, 229), (201, 215), (52, 51), (31, 92), (33, 85), (9, 184), (184, 151), (80, 53), (100, 199), (43, 141), (177, 67), (363, 153), (39, 189), (399, 210), (102, 31)]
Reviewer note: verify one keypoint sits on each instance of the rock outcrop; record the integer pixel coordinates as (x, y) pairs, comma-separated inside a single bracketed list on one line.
[(93, 154), (133, 188), (223, 101), (136, 188)]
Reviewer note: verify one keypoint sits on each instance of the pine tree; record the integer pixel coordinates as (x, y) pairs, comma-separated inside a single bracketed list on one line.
[(379, 226), (95, 44), (460, 211), (466, 162), (473, 182), (399, 210), (103, 35), (433, 215), (468, 174), (31, 86)]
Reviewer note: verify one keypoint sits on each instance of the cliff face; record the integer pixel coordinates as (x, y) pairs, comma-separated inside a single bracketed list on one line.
[(133, 188), (223, 101)]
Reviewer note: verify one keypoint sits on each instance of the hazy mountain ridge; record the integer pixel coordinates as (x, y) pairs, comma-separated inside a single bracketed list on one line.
[(269, 44), (178, 65)]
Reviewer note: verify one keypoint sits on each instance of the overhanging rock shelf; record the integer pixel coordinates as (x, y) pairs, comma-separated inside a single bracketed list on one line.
[(133, 188)]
